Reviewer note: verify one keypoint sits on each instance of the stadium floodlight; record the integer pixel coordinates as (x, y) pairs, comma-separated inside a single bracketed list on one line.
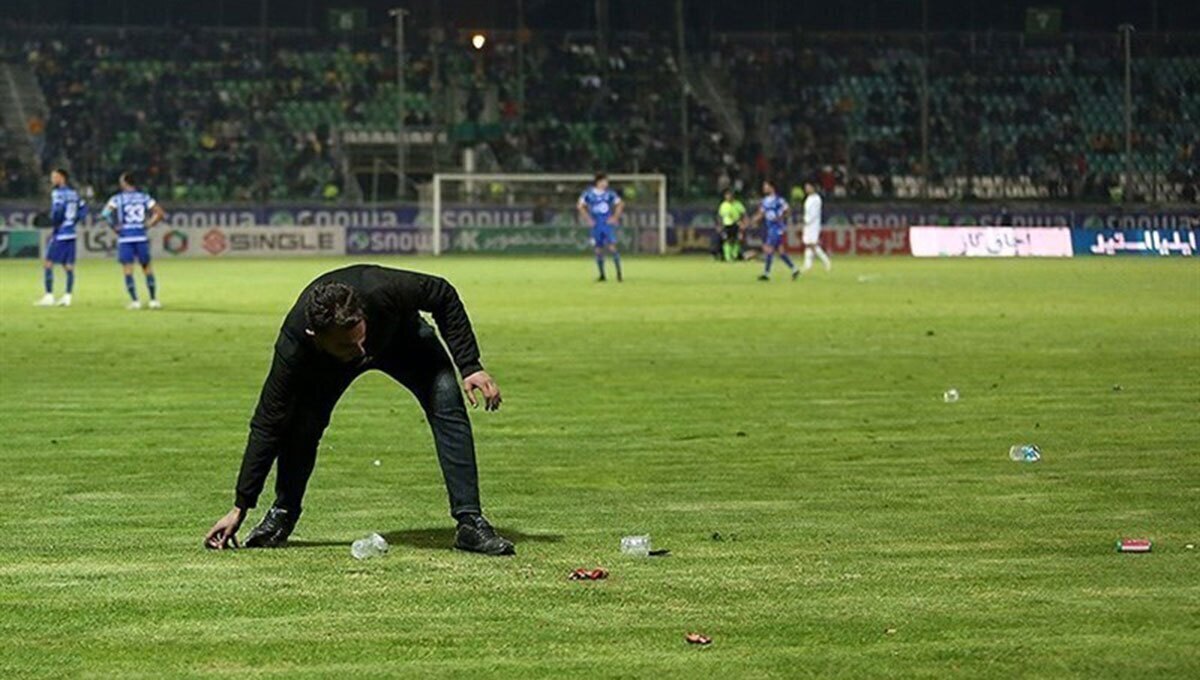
[(1127, 181), (478, 41), (536, 212)]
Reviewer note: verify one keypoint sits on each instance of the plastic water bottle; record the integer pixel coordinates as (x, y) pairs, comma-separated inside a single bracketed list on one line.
[(371, 546), (950, 396), (1025, 453), (635, 546)]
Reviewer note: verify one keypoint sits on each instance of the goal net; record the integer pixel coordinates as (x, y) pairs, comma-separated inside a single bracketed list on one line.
[(536, 213)]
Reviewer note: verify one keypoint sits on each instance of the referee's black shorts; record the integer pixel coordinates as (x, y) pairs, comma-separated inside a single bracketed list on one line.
[(730, 232)]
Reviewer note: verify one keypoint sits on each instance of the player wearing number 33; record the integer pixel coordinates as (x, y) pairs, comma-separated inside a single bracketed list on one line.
[(130, 213)]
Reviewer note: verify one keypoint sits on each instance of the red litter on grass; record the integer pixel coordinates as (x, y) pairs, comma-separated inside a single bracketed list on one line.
[(588, 575), (1134, 545), (697, 639)]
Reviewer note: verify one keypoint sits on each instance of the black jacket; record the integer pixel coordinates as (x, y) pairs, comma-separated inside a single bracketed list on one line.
[(304, 383)]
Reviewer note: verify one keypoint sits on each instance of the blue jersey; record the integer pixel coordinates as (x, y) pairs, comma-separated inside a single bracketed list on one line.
[(773, 208), (66, 210), (128, 212), (600, 204)]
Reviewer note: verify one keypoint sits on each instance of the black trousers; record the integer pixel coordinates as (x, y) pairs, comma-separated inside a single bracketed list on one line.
[(421, 365)]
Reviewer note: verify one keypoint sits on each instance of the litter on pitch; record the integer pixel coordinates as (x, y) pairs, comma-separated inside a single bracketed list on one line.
[(697, 639), (371, 546), (635, 546), (597, 574), (1134, 545), (1025, 453)]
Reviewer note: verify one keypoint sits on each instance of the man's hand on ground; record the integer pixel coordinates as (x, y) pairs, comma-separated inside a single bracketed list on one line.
[(480, 380), (223, 534)]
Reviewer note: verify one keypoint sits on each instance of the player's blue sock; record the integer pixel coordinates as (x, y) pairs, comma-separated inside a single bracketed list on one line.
[(788, 261), (152, 285), (129, 286), (600, 264), (70, 281), (770, 259), (48, 279), (617, 263)]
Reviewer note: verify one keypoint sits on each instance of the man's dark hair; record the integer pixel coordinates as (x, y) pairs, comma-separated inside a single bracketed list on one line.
[(332, 305), (64, 173), (129, 178), (601, 175)]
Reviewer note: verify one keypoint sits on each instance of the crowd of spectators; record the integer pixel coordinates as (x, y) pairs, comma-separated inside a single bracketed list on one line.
[(224, 117), (587, 107), (1048, 114), (160, 103)]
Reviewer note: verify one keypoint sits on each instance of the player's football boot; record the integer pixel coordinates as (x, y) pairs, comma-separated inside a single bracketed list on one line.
[(273, 530), (764, 277), (155, 304), (601, 279), (64, 301), (795, 274), (44, 301), (476, 535), (136, 304)]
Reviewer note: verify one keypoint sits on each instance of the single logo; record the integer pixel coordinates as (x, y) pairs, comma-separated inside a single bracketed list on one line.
[(215, 242)]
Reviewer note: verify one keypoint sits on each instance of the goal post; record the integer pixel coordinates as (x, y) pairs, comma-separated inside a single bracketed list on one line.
[(536, 212)]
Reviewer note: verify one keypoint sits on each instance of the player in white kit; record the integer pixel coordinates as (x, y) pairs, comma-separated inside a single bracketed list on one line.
[(812, 228)]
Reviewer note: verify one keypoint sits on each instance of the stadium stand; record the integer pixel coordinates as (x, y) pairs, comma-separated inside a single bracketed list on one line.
[(211, 120)]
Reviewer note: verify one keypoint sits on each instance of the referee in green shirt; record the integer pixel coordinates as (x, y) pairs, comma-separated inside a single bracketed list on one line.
[(733, 221)]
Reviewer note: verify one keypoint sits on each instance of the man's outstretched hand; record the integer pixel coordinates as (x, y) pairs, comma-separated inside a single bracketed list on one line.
[(480, 380), (223, 534)]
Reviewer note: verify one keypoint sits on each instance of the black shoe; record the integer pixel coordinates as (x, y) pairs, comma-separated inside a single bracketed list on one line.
[(273, 530), (795, 274), (476, 535), (764, 277), (620, 277), (601, 279)]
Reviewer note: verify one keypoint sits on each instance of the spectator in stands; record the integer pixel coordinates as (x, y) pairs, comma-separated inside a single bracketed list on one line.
[(210, 119)]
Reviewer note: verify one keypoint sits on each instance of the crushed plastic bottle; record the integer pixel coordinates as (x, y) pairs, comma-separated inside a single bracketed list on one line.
[(371, 546), (636, 546), (950, 396), (1025, 453)]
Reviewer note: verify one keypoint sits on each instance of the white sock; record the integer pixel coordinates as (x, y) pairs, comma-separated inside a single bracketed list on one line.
[(823, 257), (808, 253)]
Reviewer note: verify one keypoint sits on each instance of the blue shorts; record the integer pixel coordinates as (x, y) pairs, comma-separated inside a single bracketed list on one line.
[(137, 250), (775, 236), (61, 252), (603, 235)]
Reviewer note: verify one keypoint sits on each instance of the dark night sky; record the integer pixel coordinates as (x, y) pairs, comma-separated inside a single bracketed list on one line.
[(648, 15)]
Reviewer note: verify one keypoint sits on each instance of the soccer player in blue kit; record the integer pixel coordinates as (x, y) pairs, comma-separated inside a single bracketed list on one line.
[(773, 210), (131, 212), (601, 208), (66, 210)]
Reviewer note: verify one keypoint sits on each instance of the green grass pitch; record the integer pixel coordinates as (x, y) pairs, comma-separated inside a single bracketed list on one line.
[(867, 528)]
